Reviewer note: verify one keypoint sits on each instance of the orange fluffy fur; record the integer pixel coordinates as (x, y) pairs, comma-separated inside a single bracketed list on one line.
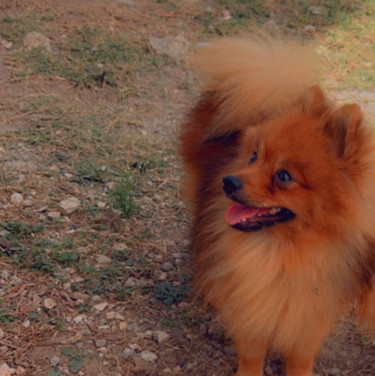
[(282, 286)]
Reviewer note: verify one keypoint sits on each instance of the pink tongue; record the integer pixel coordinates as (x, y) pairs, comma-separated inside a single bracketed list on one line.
[(238, 212)]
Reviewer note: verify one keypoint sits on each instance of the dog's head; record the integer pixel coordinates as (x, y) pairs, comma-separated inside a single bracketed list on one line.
[(302, 169)]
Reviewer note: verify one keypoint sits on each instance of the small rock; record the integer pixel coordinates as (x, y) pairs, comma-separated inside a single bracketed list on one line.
[(49, 303), (54, 361), (130, 282), (69, 205), (6, 44), (54, 214), (128, 353), (148, 356), (15, 281), (176, 47), (16, 198), (100, 342), (120, 247), (77, 295), (226, 15), (123, 325), (96, 299), (134, 346), (149, 334), (310, 29), (119, 316), (35, 39), (101, 306), (161, 337), (78, 319), (166, 266), (142, 283), (5, 274), (1, 333), (132, 326), (102, 259), (101, 205), (26, 323), (110, 315), (158, 258)]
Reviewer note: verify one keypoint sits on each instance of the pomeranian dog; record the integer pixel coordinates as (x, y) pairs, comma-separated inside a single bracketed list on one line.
[(282, 190)]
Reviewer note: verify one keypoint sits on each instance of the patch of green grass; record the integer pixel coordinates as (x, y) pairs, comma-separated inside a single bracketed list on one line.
[(349, 51), (76, 357), (90, 58), (54, 373), (245, 15), (6, 317), (123, 195), (19, 230), (15, 28)]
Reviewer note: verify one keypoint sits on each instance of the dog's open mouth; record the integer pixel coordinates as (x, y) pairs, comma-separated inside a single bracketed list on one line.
[(245, 218)]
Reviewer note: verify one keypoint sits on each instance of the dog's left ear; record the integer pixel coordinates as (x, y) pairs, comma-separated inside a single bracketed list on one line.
[(314, 102), (344, 128)]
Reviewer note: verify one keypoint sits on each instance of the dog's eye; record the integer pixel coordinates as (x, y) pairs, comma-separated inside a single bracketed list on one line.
[(283, 177), (253, 158)]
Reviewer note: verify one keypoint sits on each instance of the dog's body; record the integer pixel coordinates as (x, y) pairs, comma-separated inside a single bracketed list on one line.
[(289, 246)]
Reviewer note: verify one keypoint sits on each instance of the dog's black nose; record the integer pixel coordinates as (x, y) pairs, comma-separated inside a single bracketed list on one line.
[(232, 184)]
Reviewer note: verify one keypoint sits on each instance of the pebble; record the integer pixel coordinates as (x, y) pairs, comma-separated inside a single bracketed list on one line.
[(102, 259), (95, 298), (16, 198), (110, 315), (166, 266), (120, 247), (77, 295), (55, 360), (128, 353), (161, 337), (100, 342), (53, 214), (123, 325), (78, 319), (130, 282), (35, 39), (148, 356), (176, 47), (69, 205), (149, 334), (26, 323), (5, 274), (15, 281), (49, 303), (101, 306), (101, 205), (1, 333)]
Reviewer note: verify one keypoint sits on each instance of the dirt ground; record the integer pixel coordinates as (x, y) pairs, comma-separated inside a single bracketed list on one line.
[(92, 292)]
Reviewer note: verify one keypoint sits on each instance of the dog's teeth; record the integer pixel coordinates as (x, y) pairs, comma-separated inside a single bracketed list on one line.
[(274, 211)]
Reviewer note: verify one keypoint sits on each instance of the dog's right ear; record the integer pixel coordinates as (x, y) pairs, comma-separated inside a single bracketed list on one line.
[(344, 127)]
